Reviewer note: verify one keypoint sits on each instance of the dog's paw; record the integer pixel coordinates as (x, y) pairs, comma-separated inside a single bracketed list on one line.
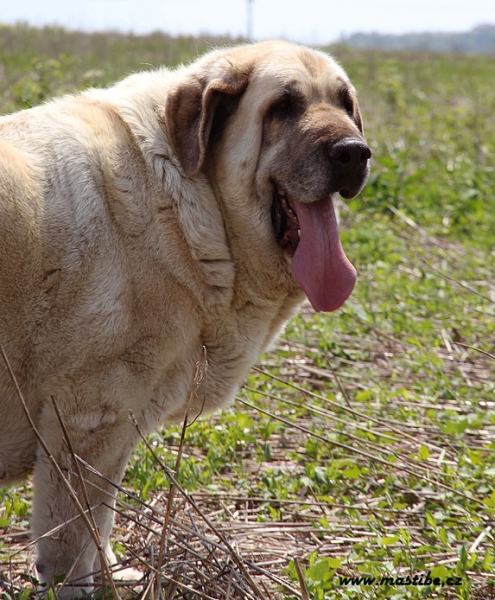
[(127, 574)]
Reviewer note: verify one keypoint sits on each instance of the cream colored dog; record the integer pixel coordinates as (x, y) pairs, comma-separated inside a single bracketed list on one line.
[(174, 212)]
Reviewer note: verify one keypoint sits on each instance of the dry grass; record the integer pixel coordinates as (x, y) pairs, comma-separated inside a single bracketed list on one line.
[(215, 544), (371, 401)]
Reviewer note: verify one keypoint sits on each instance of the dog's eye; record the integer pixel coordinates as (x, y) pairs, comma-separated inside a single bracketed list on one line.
[(347, 102), (289, 104)]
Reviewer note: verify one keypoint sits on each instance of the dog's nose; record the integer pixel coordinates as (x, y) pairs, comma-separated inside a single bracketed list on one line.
[(350, 153), (349, 165)]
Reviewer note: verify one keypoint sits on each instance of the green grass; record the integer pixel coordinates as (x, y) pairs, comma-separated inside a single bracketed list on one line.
[(365, 441)]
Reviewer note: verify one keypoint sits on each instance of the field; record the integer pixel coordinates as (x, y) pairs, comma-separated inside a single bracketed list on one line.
[(363, 444)]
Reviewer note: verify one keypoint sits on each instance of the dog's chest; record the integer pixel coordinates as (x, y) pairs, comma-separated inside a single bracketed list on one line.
[(206, 370)]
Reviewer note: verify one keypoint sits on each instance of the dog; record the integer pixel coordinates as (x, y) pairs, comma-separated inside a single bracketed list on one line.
[(177, 215)]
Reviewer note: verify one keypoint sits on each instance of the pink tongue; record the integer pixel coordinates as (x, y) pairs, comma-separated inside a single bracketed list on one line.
[(320, 265)]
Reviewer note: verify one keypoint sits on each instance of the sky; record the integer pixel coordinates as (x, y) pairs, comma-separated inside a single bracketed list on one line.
[(308, 21)]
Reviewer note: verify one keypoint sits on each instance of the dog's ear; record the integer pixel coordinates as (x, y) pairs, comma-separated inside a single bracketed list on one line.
[(196, 111)]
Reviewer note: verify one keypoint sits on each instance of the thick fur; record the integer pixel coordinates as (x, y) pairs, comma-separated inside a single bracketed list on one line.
[(135, 235)]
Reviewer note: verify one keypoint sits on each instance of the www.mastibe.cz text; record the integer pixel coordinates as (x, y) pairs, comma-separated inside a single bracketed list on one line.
[(414, 580)]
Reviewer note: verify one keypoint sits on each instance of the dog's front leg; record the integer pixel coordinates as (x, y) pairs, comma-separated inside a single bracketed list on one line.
[(74, 532)]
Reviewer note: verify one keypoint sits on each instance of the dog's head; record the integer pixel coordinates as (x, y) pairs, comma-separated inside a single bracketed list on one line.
[(278, 129)]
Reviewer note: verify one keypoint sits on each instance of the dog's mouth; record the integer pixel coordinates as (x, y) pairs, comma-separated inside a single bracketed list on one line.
[(308, 232), (285, 222)]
